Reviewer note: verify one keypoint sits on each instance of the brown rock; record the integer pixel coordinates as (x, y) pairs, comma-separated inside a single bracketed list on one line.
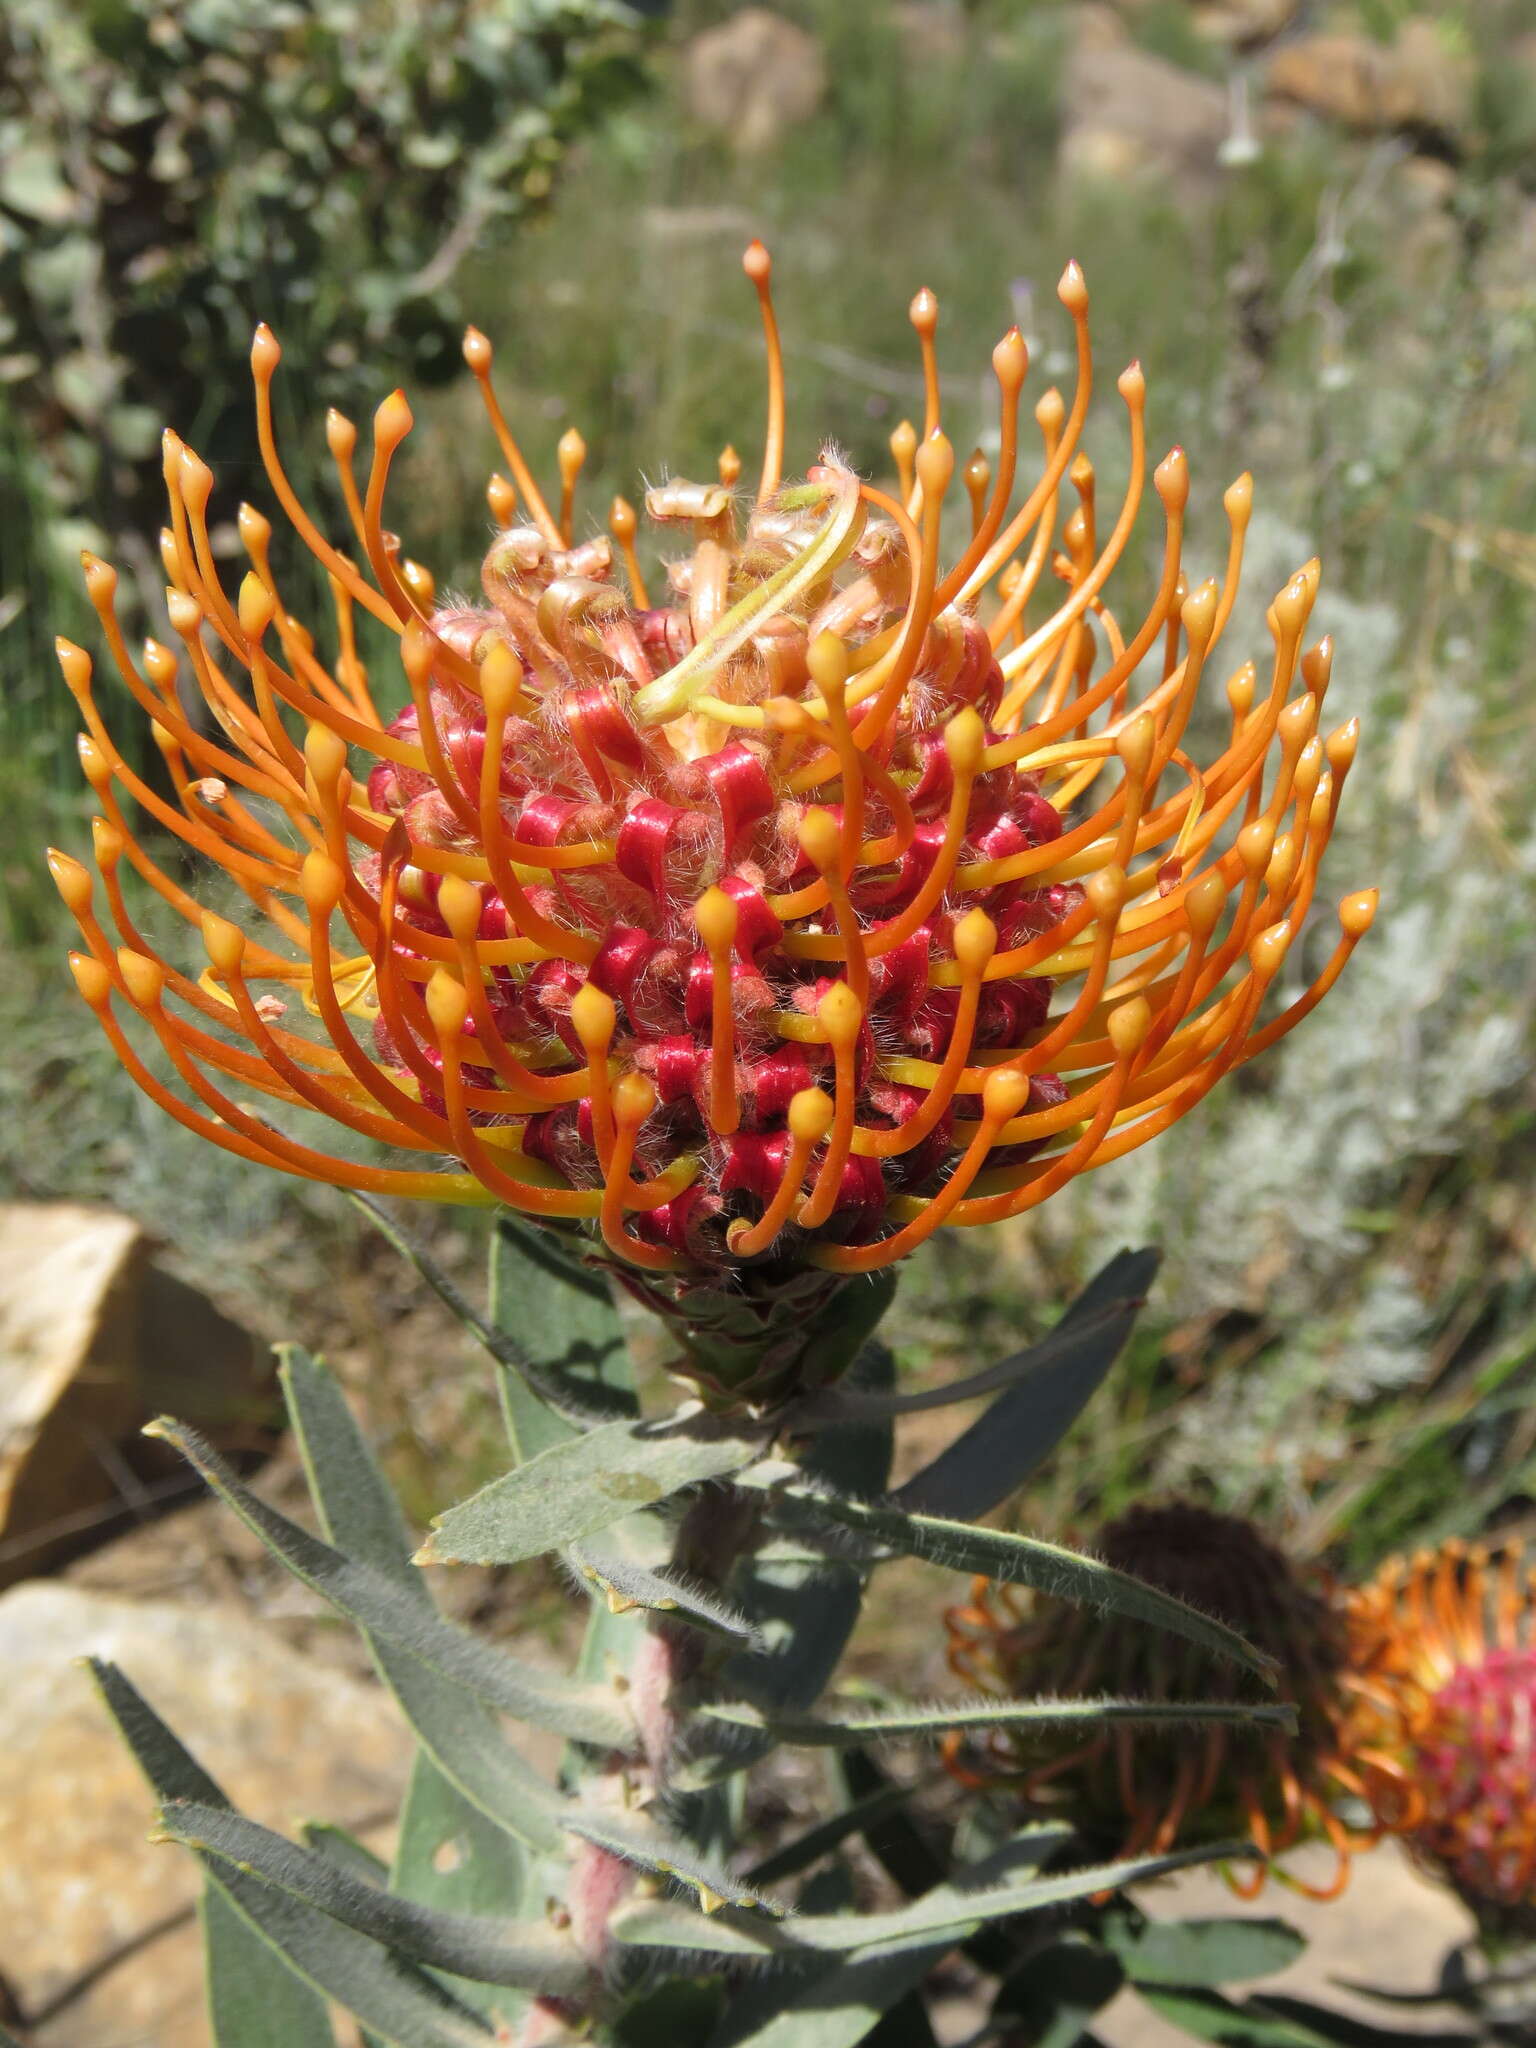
[(79, 1881), (752, 77), (94, 1340), (1417, 82), (1241, 24), (1127, 113)]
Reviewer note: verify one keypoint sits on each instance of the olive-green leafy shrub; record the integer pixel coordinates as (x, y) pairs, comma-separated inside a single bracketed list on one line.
[(170, 174)]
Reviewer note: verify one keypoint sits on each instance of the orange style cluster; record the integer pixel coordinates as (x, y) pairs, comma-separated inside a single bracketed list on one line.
[(1156, 1786), (1447, 1649), (835, 886)]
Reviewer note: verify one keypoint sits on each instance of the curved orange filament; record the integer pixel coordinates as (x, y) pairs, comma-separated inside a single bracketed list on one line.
[(811, 1113), (1004, 1095), (975, 941), (265, 356), (716, 915), (477, 354), (633, 1100), (1074, 296), (841, 1016), (493, 837), (759, 268)]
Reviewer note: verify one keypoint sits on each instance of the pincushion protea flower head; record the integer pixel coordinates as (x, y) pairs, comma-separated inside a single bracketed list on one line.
[(760, 917), (1162, 1785), (1446, 1652)]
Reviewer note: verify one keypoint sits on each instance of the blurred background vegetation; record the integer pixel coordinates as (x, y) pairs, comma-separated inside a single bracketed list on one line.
[(1315, 225)]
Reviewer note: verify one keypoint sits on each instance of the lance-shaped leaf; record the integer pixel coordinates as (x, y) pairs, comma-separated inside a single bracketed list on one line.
[(804, 1850), (648, 1847), (1055, 1378), (627, 1584), (1280, 2023), (561, 1348), (340, 1846), (834, 2004), (485, 1947), (1012, 1560), (392, 1998), (337, 1845), (1200, 1952), (580, 1487), (1049, 1999), (902, 1723), (1344, 2030), (907, 1851), (804, 1606), (360, 1516), (254, 1998), (372, 1602), (448, 1854), (949, 1909), (842, 1404), (560, 1312)]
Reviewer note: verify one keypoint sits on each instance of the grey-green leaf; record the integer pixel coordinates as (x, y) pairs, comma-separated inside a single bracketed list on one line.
[(558, 1338), (949, 1909), (1016, 1560), (375, 1604), (1202, 1952), (625, 1584), (804, 1607), (1056, 1379), (648, 1847), (1051, 1997), (357, 1508), (579, 1487), (804, 1850), (340, 1846), (540, 1376), (900, 1723), (254, 1999), (449, 1855), (1207, 2016), (393, 1999), (486, 1947), (832, 2005), (1321, 2024), (359, 1515)]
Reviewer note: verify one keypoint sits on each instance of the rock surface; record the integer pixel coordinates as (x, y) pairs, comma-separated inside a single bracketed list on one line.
[(1416, 82), (79, 1881), (1126, 113), (1242, 23), (94, 1340), (752, 77)]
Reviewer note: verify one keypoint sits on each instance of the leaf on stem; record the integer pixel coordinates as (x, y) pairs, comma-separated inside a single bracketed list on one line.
[(627, 1585), (359, 1515), (952, 1909), (484, 1947), (579, 1487), (901, 1723), (637, 1841), (377, 1605), (1012, 1560), (1055, 1378), (392, 1997)]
